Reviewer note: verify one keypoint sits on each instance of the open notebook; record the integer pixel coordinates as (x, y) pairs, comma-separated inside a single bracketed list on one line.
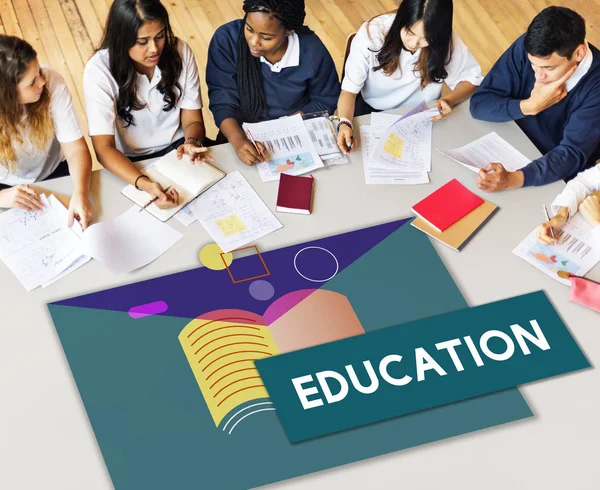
[(189, 180)]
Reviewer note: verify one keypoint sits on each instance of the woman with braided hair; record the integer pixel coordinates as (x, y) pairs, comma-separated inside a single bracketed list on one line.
[(265, 66), (403, 58)]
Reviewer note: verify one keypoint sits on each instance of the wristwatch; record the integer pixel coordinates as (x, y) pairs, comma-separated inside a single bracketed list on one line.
[(195, 140)]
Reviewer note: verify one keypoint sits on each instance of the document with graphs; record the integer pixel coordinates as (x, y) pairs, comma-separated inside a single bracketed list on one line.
[(288, 145)]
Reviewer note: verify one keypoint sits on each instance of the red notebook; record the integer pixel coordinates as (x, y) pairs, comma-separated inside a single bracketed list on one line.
[(445, 206), (295, 194)]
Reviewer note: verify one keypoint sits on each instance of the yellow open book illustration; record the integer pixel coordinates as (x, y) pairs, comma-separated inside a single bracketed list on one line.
[(221, 353), (221, 347)]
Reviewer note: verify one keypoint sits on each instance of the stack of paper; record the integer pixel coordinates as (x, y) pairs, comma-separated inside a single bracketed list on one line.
[(322, 135), (488, 149), (39, 249), (37, 246), (233, 214), (288, 145), (575, 252), (397, 149)]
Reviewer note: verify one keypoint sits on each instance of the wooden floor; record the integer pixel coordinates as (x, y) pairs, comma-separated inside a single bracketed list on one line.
[(66, 32)]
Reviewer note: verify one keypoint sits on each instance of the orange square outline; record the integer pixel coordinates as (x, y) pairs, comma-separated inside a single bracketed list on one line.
[(249, 278)]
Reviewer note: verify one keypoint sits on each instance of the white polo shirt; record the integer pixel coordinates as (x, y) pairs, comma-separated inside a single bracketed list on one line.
[(291, 57), (35, 164), (153, 128), (576, 191), (403, 87)]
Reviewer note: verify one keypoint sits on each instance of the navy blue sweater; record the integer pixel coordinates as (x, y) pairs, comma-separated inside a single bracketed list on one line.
[(567, 133), (311, 86)]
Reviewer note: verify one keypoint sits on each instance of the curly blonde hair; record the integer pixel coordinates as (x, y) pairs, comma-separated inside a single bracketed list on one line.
[(15, 57)]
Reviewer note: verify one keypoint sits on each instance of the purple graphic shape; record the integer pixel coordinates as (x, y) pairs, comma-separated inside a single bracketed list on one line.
[(261, 290), (148, 309), (180, 290), (285, 303)]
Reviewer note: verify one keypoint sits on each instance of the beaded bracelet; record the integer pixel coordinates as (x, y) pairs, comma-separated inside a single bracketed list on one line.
[(342, 123)]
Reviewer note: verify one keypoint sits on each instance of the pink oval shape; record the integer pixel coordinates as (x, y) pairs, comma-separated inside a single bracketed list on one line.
[(148, 309)]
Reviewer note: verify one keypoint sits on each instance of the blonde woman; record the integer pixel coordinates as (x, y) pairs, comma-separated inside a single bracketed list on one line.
[(38, 130)]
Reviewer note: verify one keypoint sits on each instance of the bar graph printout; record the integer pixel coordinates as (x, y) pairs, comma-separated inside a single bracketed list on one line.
[(288, 145), (574, 252)]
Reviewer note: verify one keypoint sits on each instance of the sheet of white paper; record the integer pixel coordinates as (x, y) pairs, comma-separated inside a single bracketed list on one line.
[(289, 147), (380, 121), (406, 145), (84, 259), (37, 246), (489, 148), (323, 138), (129, 241), (575, 252), (233, 214), (379, 176), (185, 216)]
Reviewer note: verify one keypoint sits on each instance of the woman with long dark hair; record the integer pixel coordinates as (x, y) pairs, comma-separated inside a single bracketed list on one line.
[(265, 66), (142, 95), (39, 128), (403, 59)]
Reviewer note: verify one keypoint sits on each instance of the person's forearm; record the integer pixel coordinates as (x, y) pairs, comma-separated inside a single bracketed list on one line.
[(195, 129), (461, 92), (116, 163), (346, 104), (80, 168), (231, 130)]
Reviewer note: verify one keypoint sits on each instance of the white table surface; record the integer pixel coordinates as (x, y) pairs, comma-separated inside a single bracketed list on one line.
[(46, 440)]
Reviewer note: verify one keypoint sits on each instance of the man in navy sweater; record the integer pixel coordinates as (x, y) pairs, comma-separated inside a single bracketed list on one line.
[(548, 81)]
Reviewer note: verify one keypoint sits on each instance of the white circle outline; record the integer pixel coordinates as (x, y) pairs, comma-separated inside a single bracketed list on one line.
[(337, 265)]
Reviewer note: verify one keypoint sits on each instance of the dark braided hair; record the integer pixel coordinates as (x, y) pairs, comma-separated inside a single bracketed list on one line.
[(291, 13)]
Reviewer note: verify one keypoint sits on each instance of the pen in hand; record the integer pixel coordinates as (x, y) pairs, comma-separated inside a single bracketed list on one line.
[(154, 199), (255, 145), (548, 219)]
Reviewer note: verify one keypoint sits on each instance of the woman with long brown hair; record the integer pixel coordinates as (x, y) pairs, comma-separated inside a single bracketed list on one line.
[(142, 95), (38, 130), (403, 58)]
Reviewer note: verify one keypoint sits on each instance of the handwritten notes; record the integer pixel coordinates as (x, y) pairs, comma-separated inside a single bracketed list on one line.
[(397, 149), (233, 214), (37, 246)]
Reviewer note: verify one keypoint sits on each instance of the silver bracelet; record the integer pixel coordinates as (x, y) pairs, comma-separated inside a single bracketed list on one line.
[(195, 140)]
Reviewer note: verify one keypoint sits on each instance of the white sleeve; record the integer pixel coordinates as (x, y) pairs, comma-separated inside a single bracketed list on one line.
[(577, 190), (100, 99), (191, 98), (358, 64), (62, 111), (463, 66)]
